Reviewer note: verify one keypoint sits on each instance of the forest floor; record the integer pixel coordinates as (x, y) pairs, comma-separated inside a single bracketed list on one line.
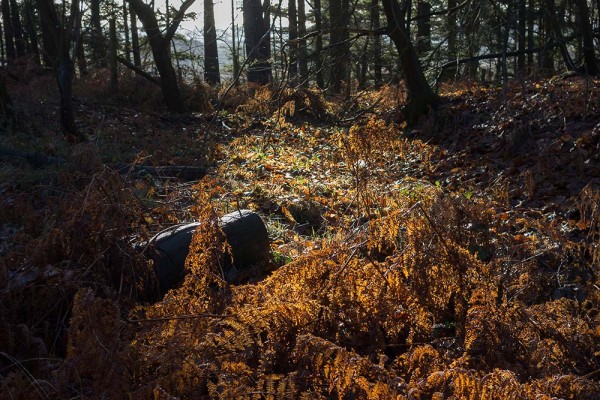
[(458, 258)]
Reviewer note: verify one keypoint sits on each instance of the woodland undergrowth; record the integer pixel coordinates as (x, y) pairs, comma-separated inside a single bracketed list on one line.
[(456, 259)]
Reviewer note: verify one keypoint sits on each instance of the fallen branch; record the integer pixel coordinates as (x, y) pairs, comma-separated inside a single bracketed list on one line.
[(138, 70), (185, 172)]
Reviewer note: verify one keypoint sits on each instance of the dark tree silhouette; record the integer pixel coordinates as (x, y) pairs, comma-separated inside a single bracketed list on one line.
[(160, 44)]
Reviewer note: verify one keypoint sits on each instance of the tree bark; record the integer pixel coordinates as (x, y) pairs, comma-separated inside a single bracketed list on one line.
[(30, 29), (420, 96), (59, 35), (589, 55), (319, 44), (9, 37), (127, 48), (114, 67), (211, 52), (234, 45), (135, 40), (258, 51), (556, 32), (522, 36), (292, 43), (302, 62), (375, 25), (339, 48), (160, 45), (17, 28), (423, 27), (98, 43)]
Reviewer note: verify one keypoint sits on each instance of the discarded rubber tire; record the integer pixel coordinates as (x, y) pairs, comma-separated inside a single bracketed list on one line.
[(246, 234)]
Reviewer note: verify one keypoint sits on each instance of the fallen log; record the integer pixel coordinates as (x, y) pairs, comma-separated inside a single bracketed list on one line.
[(246, 234)]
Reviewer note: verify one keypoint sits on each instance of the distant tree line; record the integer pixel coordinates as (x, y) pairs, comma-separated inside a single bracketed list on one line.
[(338, 46)]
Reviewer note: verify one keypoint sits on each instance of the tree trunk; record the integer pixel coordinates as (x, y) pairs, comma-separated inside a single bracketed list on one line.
[(126, 31), (9, 38), (554, 27), (319, 44), (30, 29), (135, 41), (522, 36), (420, 95), (160, 45), (114, 66), (471, 31), (81, 62), (292, 44), (98, 46), (234, 45), (339, 48), (17, 28), (375, 25), (258, 51), (589, 55), (452, 40), (211, 52), (530, 33), (302, 62), (423, 27)]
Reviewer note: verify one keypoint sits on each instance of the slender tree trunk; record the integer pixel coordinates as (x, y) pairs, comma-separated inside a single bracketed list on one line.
[(530, 33), (81, 61), (17, 28), (126, 31), (9, 38), (377, 62), (319, 44), (30, 29), (114, 66), (135, 40), (589, 55), (420, 95), (302, 62), (292, 43), (522, 36), (211, 52), (234, 45), (258, 51), (471, 31)]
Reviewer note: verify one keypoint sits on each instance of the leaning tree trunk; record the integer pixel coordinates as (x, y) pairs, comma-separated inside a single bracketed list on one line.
[(555, 28), (160, 45), (420, 95)]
